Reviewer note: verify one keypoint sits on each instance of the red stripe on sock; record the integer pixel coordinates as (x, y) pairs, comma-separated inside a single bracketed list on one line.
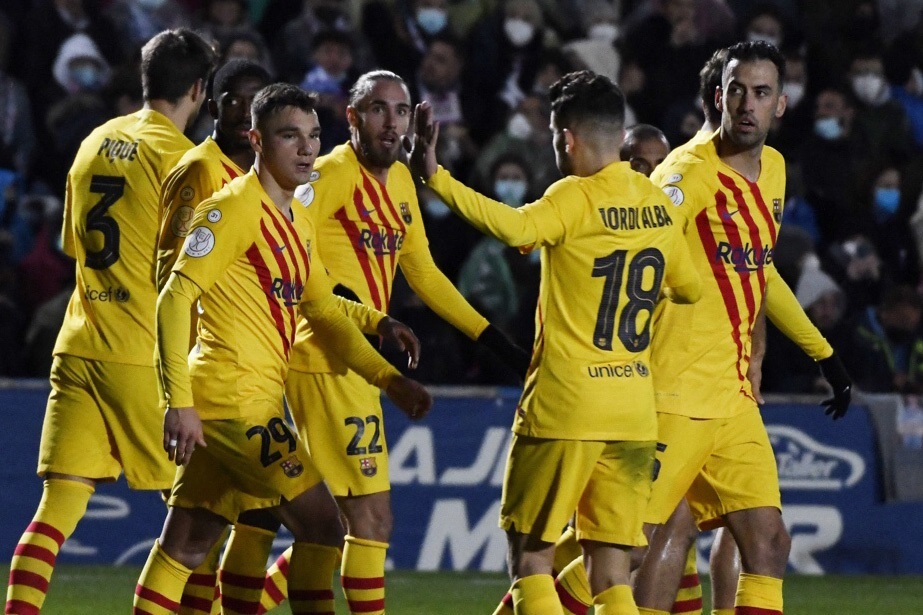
[(29, 579), (755, 610), (689, 580), (687, 606), (366, 606), (241, 580), (362, 582), (203, 605), (244, 607), (568, 601), (507, 600), (204, 580), (157, 598), (273, 590), (35, 552), (37, 527), (20, 607), (310, 594)]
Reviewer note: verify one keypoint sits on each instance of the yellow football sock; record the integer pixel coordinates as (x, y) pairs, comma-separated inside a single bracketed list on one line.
[(506, 605), (758, 595), (363, 575), (535, 595), (566, 550), (243, 569), (310, 589), (201, 593), (722, 612), (63, 504), (617, 600), (689, 595), (161, 584), (645, 611), (574, 588), (275, 588)]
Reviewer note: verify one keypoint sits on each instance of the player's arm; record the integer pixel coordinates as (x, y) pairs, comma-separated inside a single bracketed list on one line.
[(68, 244), (182, 427), (372, 322), (340, 336), (441, 296), (757, 353), (682, 283), (784, 311)]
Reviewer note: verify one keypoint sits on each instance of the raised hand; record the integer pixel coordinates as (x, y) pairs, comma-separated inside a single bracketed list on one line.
[(422, 161)]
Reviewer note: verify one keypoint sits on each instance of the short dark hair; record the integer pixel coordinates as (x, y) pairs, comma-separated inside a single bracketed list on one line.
[(751, 51), (275, 97), (710, 80), (233, 70), (172, 61), (584, 96), (364, 84), (332, 35), (640, 132)]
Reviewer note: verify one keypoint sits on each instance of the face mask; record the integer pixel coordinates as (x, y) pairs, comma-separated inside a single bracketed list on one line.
[(437, 209), (795, 91), (828, 128), (887, 200), (759, 36), (432, 20), (151, 5), (87, 77), (518, 127), (510, 191), (519, 31), (870, 89), (605, 32)]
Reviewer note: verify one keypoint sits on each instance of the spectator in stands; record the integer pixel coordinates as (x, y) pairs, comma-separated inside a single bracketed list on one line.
[(222, 19), (906, 78), (123, 93), (889, 344), (788, 132), (136, 21), (17, 136), (766, 22), (45, 270), (247, 44), (856, 266), (879, 120), (597, 50), (330, 76)]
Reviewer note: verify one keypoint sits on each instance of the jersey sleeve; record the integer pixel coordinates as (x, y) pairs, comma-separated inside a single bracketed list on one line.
[(682, 283), (784, 311), (542, 222), (222, 230), (68, 243), (681, 183), (365, 317), (172, 341), (440, 295)]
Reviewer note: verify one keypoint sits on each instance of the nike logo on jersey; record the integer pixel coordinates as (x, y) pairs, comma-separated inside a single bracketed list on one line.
[(729, 214), (279, 249)]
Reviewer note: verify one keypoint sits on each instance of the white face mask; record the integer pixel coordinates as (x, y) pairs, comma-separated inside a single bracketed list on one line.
[(870, 88), (795, 92), (432, 20), (511, 191), (519, 127), (605, 32), (759, 36), (519, 31)]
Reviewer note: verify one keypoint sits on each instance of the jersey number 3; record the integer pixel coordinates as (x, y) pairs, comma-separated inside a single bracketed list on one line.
[(111, 188), (640, 299)]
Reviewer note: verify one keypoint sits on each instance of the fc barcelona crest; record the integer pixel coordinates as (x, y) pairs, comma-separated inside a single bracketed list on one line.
[(367, 465), (292, 467), (405, 213), (777, 210)]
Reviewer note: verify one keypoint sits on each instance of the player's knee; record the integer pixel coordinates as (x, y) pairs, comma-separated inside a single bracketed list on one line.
[(373, 521)]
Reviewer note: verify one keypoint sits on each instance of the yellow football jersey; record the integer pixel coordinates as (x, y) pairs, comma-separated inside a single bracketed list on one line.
[(701, 352), (610, 247), (200, 173), (364, 229), (253, 265), (111, 218)]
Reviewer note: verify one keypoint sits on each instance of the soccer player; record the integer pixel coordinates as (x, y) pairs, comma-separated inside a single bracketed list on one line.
[(728, 191), (585, 427), (644, 147), (364, 204), (102, 416), (201, 172), (250, 264)]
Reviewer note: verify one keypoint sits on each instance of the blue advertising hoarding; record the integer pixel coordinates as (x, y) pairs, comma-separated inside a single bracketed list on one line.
[(447, 472)]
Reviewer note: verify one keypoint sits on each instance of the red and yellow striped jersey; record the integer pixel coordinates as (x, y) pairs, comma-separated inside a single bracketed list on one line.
[(701, 352), (609, 248), (253, 265), (364, 229), (200, 173), (111, 218)]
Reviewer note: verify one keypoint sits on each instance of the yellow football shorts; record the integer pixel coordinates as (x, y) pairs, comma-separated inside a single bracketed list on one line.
[(607, 483), (720, 465), (252, 462), (102, 419), (340, 419)]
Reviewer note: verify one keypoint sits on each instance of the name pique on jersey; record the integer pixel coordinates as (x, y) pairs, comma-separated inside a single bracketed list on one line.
[(634, 218)]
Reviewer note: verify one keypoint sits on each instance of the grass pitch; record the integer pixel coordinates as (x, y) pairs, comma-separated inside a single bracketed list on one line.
[(101, 590)]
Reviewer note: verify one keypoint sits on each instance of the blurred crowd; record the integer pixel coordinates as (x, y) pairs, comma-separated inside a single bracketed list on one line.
[(852, 136)]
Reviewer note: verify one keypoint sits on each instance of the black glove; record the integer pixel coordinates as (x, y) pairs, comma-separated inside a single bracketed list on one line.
[(498, 343), (833, 371)]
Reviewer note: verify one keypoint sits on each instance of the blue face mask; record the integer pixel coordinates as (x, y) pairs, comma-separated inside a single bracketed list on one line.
[(887, 201), (87, 77), (828, 128), (432, 20), (510, 191)]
